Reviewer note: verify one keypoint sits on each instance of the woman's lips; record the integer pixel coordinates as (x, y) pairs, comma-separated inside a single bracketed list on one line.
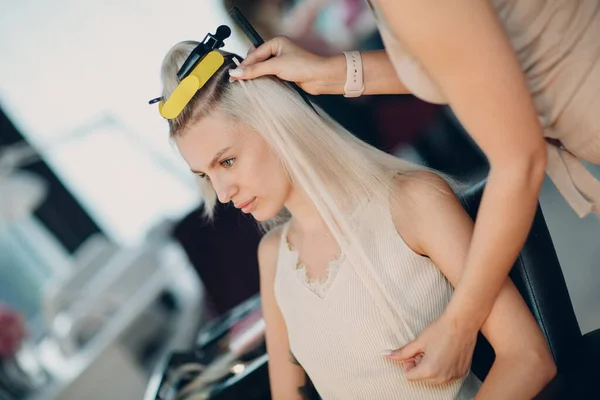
[(245, 207)]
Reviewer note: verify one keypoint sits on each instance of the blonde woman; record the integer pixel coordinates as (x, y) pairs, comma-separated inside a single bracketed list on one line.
[(515, 72), (361, 252)]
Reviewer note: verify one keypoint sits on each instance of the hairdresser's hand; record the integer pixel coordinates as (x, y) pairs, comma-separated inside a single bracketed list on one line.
[(290, 62), (442, 353)]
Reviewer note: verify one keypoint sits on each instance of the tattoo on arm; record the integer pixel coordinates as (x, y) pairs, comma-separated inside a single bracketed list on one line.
[(306, 391)]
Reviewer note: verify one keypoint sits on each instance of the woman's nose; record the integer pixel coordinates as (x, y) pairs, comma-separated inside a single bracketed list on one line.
[(225, 190)]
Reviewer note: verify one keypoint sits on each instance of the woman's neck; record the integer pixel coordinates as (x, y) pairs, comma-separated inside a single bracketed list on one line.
[(305, 215)]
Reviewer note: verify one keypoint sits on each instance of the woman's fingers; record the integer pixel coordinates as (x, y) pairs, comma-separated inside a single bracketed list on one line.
[(264, 52), (409, 351), (282, 58), (258, 62), (269, 67), (250, 50)]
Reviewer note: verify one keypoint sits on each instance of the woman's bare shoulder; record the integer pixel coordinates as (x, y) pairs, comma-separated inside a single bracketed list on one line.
[(416, 190), (268, 250), (417, 197)]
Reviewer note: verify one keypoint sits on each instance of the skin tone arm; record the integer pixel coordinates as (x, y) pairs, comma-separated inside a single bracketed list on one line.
[(287, 378), (523, 364), (379, 75), (319, 75), (465, 49)]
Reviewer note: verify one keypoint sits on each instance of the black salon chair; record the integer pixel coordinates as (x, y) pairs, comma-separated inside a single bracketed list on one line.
[(538, 276)]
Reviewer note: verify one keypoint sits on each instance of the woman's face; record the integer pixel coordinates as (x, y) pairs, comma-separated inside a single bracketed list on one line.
[(238, 163)]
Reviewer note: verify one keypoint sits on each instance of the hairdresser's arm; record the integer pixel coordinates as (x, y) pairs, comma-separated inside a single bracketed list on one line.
[(316, 74), (287, 378), (464, 47), (379, 75), (523, 364)]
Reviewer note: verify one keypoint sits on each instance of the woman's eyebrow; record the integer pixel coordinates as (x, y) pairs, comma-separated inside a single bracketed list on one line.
[(215, 159)]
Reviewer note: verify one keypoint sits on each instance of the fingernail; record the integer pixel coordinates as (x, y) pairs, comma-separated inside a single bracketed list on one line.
[(387, 352), (236, 73)]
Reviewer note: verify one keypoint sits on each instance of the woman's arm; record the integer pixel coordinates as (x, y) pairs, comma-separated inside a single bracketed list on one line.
[(316, 74), (379, 75), (523, 364), (287, 378), (463, 46)]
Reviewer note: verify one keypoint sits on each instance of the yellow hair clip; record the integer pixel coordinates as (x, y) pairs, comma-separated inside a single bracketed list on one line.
[(188, 87), (201, 64)]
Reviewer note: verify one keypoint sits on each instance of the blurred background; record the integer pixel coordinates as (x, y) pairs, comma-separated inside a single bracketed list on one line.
[(109, 276)]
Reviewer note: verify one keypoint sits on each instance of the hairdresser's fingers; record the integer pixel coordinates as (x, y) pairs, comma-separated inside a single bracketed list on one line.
[(264, 52), (269, 67), (285, 68), (284, 59), (250, 50), (411, 350)]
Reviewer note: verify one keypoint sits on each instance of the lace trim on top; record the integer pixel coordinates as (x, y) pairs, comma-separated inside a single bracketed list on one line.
[(318, 285)]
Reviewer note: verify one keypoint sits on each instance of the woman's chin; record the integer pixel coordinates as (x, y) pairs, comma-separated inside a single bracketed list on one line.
[(262, 215), (259, 216)]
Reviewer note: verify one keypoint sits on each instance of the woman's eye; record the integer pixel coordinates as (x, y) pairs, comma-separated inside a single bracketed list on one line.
[(228, 163), (225, 163), (203, 176)]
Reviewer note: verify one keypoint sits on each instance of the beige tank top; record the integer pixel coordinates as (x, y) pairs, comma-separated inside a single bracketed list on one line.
[(558, 45), (337, 329)]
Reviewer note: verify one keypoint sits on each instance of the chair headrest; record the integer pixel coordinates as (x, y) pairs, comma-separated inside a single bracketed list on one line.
[(471, 197)]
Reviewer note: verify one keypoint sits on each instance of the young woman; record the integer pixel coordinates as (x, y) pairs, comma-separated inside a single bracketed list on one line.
[(361, 252), (514, 72)]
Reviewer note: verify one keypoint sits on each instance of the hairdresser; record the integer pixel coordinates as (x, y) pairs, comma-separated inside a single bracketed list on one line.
[(523, 78)]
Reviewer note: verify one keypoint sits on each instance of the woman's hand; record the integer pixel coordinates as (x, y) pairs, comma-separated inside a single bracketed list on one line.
[(316, 74), (290, 62), (442, 353)]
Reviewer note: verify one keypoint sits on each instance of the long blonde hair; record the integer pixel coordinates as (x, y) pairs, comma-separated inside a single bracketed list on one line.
[(334, 169)]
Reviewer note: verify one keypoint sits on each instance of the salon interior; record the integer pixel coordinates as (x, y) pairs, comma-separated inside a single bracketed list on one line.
[(112, 283)]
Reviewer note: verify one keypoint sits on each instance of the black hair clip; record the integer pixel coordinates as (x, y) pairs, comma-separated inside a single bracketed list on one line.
[(210, 43)]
